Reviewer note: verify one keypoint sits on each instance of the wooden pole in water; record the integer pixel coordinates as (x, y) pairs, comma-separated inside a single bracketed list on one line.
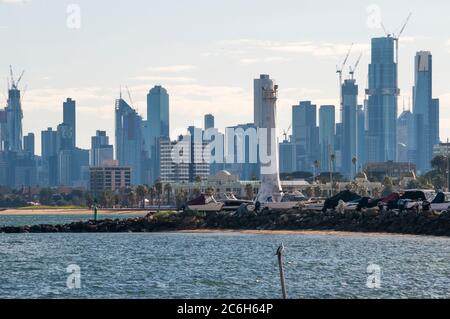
[(280, 253)]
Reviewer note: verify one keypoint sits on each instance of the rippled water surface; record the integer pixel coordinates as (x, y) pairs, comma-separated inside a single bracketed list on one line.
[(222, 265)]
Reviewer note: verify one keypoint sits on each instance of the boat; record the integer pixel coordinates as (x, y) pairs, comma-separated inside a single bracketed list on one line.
[(205, 203), (349, 199), (288, 201), (440, 203), (231, 203), (415, 198)]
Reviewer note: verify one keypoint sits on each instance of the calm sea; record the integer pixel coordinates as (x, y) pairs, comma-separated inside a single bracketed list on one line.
[(219, 265)]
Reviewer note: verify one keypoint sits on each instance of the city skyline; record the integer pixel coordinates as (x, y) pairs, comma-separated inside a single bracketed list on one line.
[(187, 76)]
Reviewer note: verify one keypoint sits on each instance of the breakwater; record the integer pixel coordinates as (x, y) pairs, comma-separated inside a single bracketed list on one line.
[(407, 222)]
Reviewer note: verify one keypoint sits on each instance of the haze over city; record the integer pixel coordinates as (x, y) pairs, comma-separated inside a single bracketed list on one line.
[(206, 54)]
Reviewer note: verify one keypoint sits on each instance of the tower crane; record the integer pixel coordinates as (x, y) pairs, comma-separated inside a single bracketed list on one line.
[(286, 133), (339, 71), (353, 69)]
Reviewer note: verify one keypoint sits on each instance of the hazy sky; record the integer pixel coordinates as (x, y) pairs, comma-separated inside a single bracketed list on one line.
[(206, 53)]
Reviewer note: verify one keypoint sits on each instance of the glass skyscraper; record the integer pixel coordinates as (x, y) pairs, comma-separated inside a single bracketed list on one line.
[(158, 126), (425, 110), (129, 139), (381, 139), (14, 117), (349, 126), (305, 135), (69, 118), (327, 132)]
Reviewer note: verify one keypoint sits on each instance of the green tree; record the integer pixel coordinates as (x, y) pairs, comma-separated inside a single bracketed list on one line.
[(388, 186), (159, 191), (46, 196)]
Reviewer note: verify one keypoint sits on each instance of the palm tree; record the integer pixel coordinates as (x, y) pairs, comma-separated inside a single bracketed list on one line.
[(249, 191), (152, 194), (354, 162), (141, 192), (168, 190), (316, 169), (198, 179), (159, 190), (333, 160), (131, 196)]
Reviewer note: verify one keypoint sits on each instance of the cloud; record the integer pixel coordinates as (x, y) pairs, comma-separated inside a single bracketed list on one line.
[(20, 2), (263, 60), (172, 68), (327, 49), (164, 79)]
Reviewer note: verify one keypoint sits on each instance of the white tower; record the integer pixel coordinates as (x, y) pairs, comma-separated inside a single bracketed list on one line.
[(265, 112)]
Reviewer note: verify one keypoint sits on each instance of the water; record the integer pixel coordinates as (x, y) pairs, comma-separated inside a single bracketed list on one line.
[(222, 265), (21, 220)]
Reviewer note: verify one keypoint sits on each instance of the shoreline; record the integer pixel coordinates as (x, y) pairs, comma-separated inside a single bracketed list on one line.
[(71, 212), (296, 232), (368, 223)]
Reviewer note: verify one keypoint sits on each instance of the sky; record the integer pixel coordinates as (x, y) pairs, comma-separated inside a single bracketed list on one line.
[(206, 53)]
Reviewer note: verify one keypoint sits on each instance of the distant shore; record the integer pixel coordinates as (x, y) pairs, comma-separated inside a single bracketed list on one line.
[(67, 212)]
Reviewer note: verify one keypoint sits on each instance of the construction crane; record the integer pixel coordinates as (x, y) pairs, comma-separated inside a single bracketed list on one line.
[(353, 69), (397, 37), (286, 133), (339, 71), (15, 84)]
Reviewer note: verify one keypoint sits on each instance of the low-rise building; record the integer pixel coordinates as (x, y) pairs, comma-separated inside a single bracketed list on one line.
[(109, 177)]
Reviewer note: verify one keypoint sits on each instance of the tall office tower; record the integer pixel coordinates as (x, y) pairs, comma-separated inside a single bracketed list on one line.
[(305, 135), (209, 121), (101, 151), (243, 161), (49, 155), (199, 164), (406, 138), (381, 139), (350, 127), (265, 114), (14, 116), (158, 125), (287, 157), (361, 143), (28, 144), (327, 132), (3, 130), (129, 140), (425, 110), (69, 118)]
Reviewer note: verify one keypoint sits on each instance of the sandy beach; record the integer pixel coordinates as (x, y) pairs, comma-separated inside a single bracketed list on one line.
[(63, 212)]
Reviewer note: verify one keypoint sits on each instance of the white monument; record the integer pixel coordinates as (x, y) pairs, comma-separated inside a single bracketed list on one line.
[(265, 108)]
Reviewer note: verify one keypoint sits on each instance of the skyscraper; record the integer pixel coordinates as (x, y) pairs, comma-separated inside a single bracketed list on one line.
[(305, 135), (209, 121), (28, 144), (129, 139), (69, 117), (381, 140), (327, 132), (425, 110), (14, 118), (158, 125), (406, 137), (349, 126), (101, 151), (49, 155)]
